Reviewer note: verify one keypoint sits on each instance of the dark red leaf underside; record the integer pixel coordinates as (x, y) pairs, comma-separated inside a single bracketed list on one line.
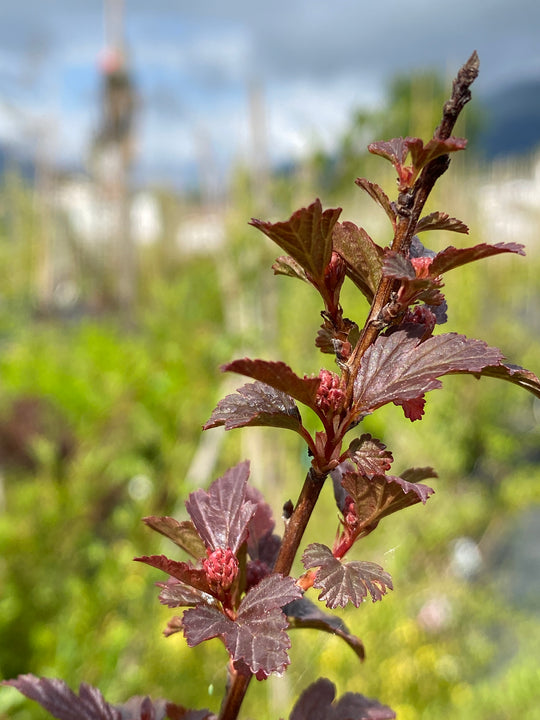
[(452, 257), (370, 455), (256, 404), (514, 374), (398, 367), (306, 236), (383, 495), (286, 265), (381, 198), (343, 582), (316, 703), (185, 572), (441, 221), (304, 614), (279, 376), (362, 256), (183, 534), (257, 637), (61, 702), (222, 514)]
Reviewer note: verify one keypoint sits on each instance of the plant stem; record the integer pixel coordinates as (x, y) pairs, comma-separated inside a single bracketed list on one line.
[(292, 537), (234, 697)]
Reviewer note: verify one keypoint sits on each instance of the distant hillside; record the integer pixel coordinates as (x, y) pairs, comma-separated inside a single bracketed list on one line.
[(512, 120), (10, 159)]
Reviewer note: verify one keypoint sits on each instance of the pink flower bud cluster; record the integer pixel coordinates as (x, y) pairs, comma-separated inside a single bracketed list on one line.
[(221, 568), (422, 266), (350, 514), (330, 396)]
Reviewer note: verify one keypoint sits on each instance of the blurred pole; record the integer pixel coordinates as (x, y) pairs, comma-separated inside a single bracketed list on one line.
[(113, 154)]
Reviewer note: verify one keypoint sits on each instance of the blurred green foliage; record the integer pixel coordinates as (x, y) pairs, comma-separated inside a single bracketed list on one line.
[(74, 605)]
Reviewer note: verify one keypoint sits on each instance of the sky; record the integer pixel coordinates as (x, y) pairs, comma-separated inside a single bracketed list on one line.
[(193, 61)]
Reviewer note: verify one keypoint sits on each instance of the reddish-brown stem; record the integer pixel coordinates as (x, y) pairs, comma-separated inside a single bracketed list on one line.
[(405, 229), (235, 696)]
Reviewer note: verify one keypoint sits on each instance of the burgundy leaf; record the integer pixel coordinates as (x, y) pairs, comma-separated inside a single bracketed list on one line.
[(370, 455), (142, 708), (362, 256), (173, 626), (303, 613), (316, 703), (286, 265), (343, 582), (205, 622), (383, 495), (222, 514), (398, 266), (279, 376), (377, 193), (452, 257), (61, 702), (257, 637), (398, 367), (413, 409), (262, 524), (416, 475), (185, 572), (177, 594), (256, 404), (516, 375), (441, 221), (182, 534), (422, 154), (395, 150), (306, 236), (353, 706)]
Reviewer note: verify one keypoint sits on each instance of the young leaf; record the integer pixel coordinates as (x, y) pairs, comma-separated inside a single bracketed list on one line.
[(381, 198), (222, 514), (422, 154), (452, 257), (185, 572), (177, 594), (343, 582), (303, 613), (61, 702), (395, 150), (306, 236), (279, 376), (183, 534), (370, 455), (257, 637), (363, 258), (256, 404), (441, 221), (383, 495), (316, 703), (398, 367), (286, 265)]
